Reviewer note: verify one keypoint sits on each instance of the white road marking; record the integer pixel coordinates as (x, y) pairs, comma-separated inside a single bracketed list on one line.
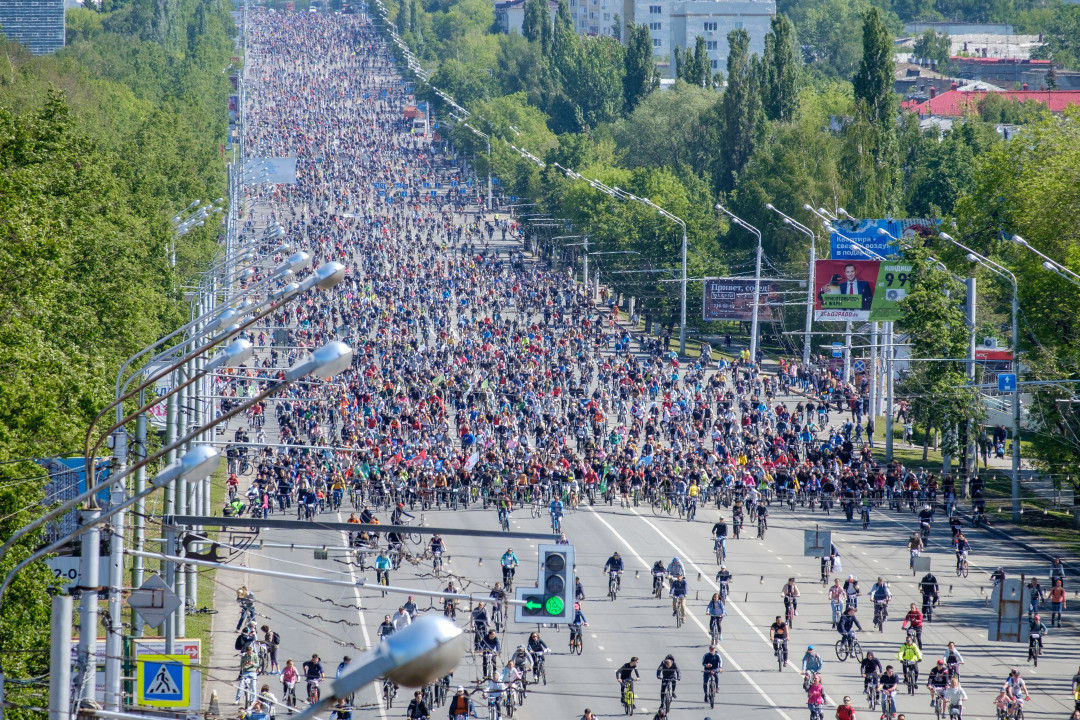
[(375, 688), (727, 656)]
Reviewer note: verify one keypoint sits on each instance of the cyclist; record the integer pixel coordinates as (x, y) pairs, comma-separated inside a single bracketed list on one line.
[(937, 680), (627, 674), (438, 547), (508, 678), (386, 628), (577, 623), (790, 594), (536, 648), (1015, 687), (914, 620), (480, 624), (879, 591), (418, 709), (846, 626), (869, 669), (852, 591), (674, 570), (928, 586), (811, 664), (522, 661), (952, 657), (1037, 629), (313, 674), (658, 572), (615, 564), (668, 674), (998, 576), (778, 634), (509, 563), (963, 547), (678, 594), (724, 579), (555, 509), (719, 533), (815, 697), (490, 649), (845, 711), (954, 698), (887, 685), (715, 610), (711, 666), (910, 655), (836, 600), (915, 548), (762, 515), (461, 708), (504, 509), (382, 568)]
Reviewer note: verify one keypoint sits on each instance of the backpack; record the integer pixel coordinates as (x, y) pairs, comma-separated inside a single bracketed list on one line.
[(275, 639)]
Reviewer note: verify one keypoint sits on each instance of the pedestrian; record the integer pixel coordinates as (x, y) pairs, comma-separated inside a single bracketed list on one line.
[(273, 641)]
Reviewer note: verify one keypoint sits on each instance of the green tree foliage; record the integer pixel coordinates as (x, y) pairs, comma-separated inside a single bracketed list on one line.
[(666, 130), (993, 108), (640, 77), (936, 326), (932, 45), (1062, 36), (88, 179), (536, 26), (827, 33), (1028, 187), (739, 112), (520, 65), (783, 70), (941, 167)]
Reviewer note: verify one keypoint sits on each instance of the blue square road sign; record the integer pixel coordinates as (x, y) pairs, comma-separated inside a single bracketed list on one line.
[(163, 681), (1007, 382)]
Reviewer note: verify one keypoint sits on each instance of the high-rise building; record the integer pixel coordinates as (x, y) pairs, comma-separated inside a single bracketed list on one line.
[(37, 24)]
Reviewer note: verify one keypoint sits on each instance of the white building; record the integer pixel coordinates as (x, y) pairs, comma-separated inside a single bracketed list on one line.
[(598, 17)]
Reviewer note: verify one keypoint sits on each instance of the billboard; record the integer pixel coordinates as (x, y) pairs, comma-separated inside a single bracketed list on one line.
[(733, 299), (865, 233), (860, 290)]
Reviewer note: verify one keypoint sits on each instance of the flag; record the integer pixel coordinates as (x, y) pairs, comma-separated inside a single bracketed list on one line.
[(473, 459)]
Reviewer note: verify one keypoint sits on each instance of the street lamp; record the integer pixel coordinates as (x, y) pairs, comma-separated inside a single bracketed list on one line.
[(1003, 272), (1049, 264), (757, 279), (427, 650), (791, 222)]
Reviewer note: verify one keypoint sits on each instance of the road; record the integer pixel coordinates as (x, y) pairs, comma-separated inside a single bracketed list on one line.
[(334, 621), (314, 618)]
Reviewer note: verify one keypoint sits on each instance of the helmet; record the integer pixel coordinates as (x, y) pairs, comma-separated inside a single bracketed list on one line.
[(925, 507), (809, 647), (940, 662), (1037, 617), (674, 560)]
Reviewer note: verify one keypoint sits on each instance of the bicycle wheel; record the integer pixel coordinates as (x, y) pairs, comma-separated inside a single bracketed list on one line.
[(841, 650), (712, 693), (579, 645), (964, 570), (856, 650)]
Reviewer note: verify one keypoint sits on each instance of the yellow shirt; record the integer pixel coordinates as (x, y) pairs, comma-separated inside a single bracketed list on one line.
[(693, 491)]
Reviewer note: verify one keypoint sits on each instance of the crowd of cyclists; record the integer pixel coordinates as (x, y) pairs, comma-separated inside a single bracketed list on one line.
[(481, 379)]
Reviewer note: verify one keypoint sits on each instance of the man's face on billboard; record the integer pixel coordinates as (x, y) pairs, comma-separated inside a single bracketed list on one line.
[(850, 273)]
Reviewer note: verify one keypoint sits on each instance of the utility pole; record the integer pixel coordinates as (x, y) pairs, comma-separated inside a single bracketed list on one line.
[(972, 451)]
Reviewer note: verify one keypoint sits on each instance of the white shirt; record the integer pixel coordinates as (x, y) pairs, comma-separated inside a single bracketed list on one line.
[(401, 620)]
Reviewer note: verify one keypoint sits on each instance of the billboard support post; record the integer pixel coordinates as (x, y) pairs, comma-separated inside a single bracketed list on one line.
[(872, 410), (890, 352), (810, 285), (847, 351)]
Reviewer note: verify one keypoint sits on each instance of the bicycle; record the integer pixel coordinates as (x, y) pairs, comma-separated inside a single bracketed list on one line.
[(246, 691), (848, 646), (504, 521), (493, 706), (939, 704), (719, 547), (658, 586), (888, 704), (789, 612), (871, 692), (613, 584), (711, 686), (497, 618), (662, 505), (576, 645), (780, 650), (679, 605), (539, 670), (508, 700), (289, 696), (714, 628), (762, 525), (881, 613), (667, 692), (1034, 648), (313, 693), (626, 695), (556, 524), (962, 568), (911, 676), (437, 564), (865, 512)]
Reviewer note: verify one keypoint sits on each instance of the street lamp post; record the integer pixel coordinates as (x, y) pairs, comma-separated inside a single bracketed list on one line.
[(791, 222), (1003, 272), (1049, 264), (757, 280)]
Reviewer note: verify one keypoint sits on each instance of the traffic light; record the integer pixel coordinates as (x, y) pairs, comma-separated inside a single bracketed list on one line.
[(552, 600)]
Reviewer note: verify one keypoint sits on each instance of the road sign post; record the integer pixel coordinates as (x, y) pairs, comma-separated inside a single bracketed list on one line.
[(552, 600), (163, 681), (817, 543)]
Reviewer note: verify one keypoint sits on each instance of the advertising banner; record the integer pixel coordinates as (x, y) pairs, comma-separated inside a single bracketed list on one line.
[(732, 299), (865, 233), (860, 290)]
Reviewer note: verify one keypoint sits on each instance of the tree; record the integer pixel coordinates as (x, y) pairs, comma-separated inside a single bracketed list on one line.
[(873, 83), (783, 71), (666, 130), (739, 111), (536, 26), (933, 45), (616, 27), (640, 77), (940, 394)]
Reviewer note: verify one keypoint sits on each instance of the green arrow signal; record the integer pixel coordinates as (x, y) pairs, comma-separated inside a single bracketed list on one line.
[(532, 604)]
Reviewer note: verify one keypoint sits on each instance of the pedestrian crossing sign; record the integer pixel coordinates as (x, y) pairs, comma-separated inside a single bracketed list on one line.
[(163, 681)]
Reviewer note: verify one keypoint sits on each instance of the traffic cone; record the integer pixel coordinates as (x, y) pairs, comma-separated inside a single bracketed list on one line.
[(212, 710)]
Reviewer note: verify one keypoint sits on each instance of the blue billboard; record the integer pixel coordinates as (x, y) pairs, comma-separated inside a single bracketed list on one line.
[(865, 233)]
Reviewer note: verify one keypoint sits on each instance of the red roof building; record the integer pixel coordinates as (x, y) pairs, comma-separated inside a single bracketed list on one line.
[(957, 103)]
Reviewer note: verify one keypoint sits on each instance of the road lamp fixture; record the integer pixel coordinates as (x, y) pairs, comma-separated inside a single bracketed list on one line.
[(791, 222), (757, 279), (1048, 264), (1003, 272)]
